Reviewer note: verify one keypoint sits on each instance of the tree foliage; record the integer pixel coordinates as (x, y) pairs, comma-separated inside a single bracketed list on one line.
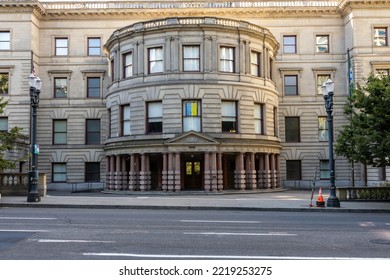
[(9, 141), (366, 137)]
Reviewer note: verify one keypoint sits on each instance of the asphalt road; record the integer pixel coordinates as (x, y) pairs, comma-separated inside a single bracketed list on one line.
[(76, 234)]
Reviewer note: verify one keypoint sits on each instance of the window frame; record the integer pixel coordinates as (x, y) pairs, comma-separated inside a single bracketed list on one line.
[(127, 66), (89, 47), (289, 170), (148, 119), (231, 61), (159, 60), (228, 118), (197, 117), (256, 66), (318, 45), (259, 120), (55, 79), (325, 169), (125, 121), (7, 82), (55, 132), (287, 87), (5, 41), (375, 37), (89, 133), (89, 88), (294, 45), (323, 132), (5, 119), (186, 59), (319, 82), (92, 172), (58, 49), (53, 165), (289, 137)]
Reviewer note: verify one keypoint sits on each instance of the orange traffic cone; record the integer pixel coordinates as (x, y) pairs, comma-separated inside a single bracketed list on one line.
[(320, 199)]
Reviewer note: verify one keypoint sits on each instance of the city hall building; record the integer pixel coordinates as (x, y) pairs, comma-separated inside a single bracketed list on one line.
[(189, 95)]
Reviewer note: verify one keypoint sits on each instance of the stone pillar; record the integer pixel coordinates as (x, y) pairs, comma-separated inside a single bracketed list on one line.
[(118, 173), (250, 171), (272, 171), (132, 173), (112, 172), (124, 173), (267, 172), (207, 173), (165, 173), (277, 167), (177, 173), (239, 173), (171, 175), (219, 172), (108, 179), (214, 173), (260, 172), (144, 174)]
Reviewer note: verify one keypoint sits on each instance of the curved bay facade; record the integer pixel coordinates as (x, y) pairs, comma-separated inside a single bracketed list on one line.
[(192, 106)]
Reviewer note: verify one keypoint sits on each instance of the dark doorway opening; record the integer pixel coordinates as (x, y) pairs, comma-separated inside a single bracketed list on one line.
[(192, 171)]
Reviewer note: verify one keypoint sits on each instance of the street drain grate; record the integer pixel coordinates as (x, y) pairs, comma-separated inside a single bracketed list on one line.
[(380, 241)]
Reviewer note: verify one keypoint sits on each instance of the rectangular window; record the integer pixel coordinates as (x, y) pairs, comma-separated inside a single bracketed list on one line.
[(322, 43), (321, 79), (93, 87), (191, 58), (92, 172), (289, 44), (292, 129), (5, 40), (259, 118), (155, 117), (324, 170), (127, 65), (125, 116), (112, 69), (323, 134), (156, 60), (4, 124), (94, 44), (60, 132), (382, 72), (191, 115), (226, 60), (4, 83), (255, 63), (290, 85), (61, 46), (380, 36), (109, 129), (92, 132), (60, 87), (59, 172), (229, 116), (293, 170), (276, 131)]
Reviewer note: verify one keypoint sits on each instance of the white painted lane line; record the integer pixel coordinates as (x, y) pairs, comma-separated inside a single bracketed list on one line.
[(25, 218), (220, 257), (216, 221), (387, 224), (23, 230), (69, 241), (241, 233)]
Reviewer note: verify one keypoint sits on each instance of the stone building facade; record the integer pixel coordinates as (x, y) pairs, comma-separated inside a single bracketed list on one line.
[(178, 95)]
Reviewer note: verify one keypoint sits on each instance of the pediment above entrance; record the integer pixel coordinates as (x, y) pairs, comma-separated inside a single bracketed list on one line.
[(192, 137)]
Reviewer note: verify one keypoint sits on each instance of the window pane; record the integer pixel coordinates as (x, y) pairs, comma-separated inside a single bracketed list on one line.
[(226, 59), (322, 43), (4, 83), (61, 89), (258, 118), (94, 46), (289, 44), (4, 124), (321, 79), (255, 63), (155, 109), (93, 87), (293, 170), (61, 46), (292, 129), (228, 109), (93, 132), (92, 171), (324, 169), (5, 40), (59, 172), (291, 85)]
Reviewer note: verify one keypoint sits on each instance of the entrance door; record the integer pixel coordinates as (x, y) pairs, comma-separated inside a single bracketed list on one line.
[(192, 170)]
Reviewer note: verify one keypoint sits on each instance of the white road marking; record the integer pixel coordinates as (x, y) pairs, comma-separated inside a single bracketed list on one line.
[(69, 241), (25, 218), (23, 230), (241, 233), (387, 224), (210, 221), (219, 257)]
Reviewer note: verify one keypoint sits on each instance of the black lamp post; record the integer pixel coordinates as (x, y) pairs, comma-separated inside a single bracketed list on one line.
[(35, 84), (327, 91)]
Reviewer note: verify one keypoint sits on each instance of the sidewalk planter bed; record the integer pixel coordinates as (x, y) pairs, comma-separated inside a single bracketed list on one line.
[(364, 193)]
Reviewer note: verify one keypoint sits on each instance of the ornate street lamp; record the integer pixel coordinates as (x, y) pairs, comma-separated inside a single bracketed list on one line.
[(35, 84), (327, 91)]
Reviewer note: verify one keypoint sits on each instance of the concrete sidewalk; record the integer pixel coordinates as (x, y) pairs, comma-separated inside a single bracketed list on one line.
[(283, 200)]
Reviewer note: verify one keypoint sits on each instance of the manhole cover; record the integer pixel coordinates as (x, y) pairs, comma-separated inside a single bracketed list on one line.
[(380, 241)]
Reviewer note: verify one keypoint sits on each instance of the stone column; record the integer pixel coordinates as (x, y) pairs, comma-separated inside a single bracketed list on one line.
[(108, 179), (260, 172), (112, 172), (277, 166), (220, 172), (214, 173), (165, 172), (250, 171), (144, 174), (177, 173), (272, 171), (118, 173), (239, 173), (267, 173), (171, 175), (207, 173), (124, 173), (132, 174)]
